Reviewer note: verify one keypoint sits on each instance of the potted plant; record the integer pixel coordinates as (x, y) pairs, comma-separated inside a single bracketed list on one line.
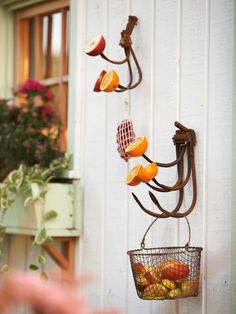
[(30, 158)]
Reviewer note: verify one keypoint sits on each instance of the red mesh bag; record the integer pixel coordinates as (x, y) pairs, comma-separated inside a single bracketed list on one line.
[(124, 136)]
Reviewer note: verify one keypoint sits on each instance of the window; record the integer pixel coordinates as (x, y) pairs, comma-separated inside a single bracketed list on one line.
[(42, 51)]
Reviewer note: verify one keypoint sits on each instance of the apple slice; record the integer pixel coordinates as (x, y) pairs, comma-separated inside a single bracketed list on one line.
[(95, 46), (98, 82)]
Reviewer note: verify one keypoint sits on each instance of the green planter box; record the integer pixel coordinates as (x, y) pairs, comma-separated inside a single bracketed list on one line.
[(64, 198)]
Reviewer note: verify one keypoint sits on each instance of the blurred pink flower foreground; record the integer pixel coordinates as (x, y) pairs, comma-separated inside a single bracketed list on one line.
[(58, 295)]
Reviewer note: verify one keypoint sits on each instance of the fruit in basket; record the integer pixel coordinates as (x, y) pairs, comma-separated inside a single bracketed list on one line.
[(175, 293), (141, 282), (132, 177), (153, 275), (138, 147), (174, 270), (169, 284), (139, 268), (188, 287), (95, 46), (148, 173), (98, 82), (154, 290), (179, 281), (110, 81)]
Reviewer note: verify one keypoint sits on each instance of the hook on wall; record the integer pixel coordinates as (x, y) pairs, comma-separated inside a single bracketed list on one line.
[(184, 140), (109, 81)]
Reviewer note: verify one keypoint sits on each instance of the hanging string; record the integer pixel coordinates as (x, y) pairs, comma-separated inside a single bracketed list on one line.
[(126, 106)]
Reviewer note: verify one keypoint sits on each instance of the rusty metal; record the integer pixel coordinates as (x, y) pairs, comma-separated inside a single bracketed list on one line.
[(149, 268), (184, 140), (126, 44)]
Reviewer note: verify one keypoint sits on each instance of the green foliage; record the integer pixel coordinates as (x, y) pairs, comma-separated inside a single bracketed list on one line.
[(21, 179), (33, 267), (30, 154), (29, 129), (41, 260), (50, 215), (32, 182)]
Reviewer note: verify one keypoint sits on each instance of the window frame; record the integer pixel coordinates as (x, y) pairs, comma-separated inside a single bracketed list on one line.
[(31, 12), (76, 73), (23, 57)]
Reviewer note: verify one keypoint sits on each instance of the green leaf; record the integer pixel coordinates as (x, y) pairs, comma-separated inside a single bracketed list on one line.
[(33, 267), (43, 193), (41, 260), (4, 268), (19, 183), (50, 215), (12, 188), (13, 175), (2, 229), (47, 240), (42, 238), (28, 201), (4, 203), (38, 181)]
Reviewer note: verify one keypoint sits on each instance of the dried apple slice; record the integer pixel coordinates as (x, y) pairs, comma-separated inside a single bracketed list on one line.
[(98, 82), (95, 46)]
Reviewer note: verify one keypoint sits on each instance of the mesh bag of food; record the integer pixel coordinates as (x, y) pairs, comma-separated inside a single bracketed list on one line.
[(124, 136)]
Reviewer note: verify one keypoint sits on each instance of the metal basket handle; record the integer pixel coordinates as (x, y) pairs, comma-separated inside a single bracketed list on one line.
[(142, 244)]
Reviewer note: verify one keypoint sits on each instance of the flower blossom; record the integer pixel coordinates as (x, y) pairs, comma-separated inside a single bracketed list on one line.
[(45, 297)]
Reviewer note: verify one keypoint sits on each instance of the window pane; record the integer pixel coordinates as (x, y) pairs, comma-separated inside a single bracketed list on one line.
[(56, 43), (45, 44), (44, 55), (67, 41), (60, 103), (52, 45), (32, 45), (56, 93)]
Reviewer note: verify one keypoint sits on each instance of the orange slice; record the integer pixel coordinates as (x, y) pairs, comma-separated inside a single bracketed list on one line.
[(148, 173), (133, 175), (138, 147), (110, 81)]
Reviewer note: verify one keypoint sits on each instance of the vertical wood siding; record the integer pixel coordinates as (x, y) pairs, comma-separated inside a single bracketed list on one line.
[(185, 48)]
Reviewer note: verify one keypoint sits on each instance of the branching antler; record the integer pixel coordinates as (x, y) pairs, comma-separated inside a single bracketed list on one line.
[(184, 139), (126, 44)]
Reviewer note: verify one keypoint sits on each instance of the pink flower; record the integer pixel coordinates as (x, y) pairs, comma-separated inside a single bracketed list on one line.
[(46, 111), (29, 85), (46, 297), (33, 85), (49, 95), (33, 88)]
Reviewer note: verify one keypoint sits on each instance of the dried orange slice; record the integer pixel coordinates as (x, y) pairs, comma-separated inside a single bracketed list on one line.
[(138, 147), (110, 81), (148, 173), (132, 177)]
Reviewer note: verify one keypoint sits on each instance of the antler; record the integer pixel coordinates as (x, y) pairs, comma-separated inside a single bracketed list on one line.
[(183, 138), (126, 44)]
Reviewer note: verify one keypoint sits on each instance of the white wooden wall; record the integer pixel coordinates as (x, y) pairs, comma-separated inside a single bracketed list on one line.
[(185, 48)]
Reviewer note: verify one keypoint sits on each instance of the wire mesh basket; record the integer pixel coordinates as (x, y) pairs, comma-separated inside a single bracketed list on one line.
[(166, 272)]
